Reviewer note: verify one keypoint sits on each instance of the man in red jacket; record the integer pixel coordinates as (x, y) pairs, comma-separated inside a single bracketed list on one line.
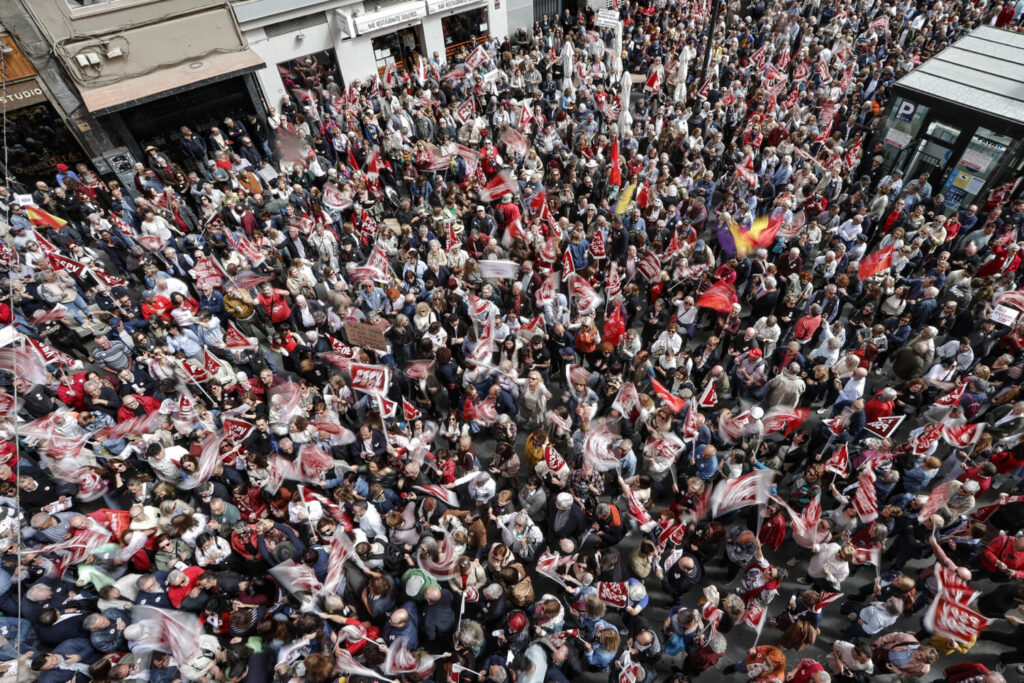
[(1003, 558)]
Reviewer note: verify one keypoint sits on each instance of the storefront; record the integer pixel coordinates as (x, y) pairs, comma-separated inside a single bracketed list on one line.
[(38, 136), (463, 23), (959, 118), (158, 122)]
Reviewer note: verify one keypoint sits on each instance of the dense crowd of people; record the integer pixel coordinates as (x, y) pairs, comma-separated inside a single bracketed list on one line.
[(540, 360)]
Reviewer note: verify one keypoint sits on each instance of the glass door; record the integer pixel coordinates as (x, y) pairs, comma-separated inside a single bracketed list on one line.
[(933, 153)]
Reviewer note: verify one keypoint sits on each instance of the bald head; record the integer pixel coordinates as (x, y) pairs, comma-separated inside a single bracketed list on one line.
[(432, 595)]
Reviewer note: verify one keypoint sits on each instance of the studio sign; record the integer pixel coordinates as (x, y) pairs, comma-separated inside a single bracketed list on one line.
[(23, 94)]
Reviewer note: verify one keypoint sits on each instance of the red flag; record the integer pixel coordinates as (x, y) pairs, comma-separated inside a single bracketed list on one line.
[(718, 297), (759, 56), (352, 160), (525, 116), (643, 197), (673, 402), (614, 171), (733, 494), (836, 424), (839, 463), (709, 397), (373, 164), (614, 326), (654, 81), (237, 430), (951, 619), (789, 419), (728, 99), (597, 248), (501, 184), (370, 379), (234, 339), (64, 263), (938, 497), (410, 411), (865, 500), (446, 496), (885, 426), (568, 267), (870, 554), (954, 397), (705, 89), (826, 598), (211, 364), (924, 441), (613, 593), (107, 279), (962, 436)]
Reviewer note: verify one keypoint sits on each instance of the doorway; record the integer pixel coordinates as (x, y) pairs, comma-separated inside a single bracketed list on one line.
[(399, 48)]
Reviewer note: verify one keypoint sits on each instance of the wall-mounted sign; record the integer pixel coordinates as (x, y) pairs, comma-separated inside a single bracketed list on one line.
[(22, 94), (435, 6), (392, 16)]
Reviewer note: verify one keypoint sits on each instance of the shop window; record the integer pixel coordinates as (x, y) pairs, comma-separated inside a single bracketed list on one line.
[(39, 141), (464, 28), (311, 73), (399, 48)]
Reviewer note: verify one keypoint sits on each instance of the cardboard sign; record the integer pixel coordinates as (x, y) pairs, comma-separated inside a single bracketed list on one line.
[(1004, 315), (366, 336), (501, 270)]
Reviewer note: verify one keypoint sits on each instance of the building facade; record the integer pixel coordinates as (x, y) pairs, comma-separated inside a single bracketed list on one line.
[(308, 41), (111, 78), (126, 74), (959, 119)]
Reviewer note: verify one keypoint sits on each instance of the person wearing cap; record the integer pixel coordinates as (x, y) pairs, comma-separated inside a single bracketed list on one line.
[(749, 374)]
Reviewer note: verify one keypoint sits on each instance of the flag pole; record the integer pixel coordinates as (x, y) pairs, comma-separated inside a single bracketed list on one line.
[(193, 381)]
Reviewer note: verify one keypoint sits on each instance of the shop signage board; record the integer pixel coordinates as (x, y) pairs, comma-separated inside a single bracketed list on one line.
[(393, 16)]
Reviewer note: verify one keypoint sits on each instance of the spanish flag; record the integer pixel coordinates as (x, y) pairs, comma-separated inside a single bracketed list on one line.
[(738, 242), (44, 219)]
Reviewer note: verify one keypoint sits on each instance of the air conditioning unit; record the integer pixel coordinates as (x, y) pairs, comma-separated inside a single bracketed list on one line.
[(346, 27)]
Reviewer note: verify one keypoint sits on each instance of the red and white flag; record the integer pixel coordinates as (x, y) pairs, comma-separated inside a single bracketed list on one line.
[(614, 593), (370, 379), (465, 111), (868, 554), (237, 430), (446, 496), (627, 401), (826, 598), (839, 463), (750, 489), (875, 263), (954, 397), (501, 184), (962, 436), (234, 339), (649, 267), (885, 427), (835, 424), (410, 411), (477, 57), (64, 263), (865, 500), (924, 441), (654, 81), (951, 619), (708, 397), (705, 89), (788, 419), (583, 294), (938, 497)]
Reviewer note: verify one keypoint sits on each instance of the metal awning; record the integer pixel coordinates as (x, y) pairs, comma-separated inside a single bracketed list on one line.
[(983, 72), (164, 82)]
